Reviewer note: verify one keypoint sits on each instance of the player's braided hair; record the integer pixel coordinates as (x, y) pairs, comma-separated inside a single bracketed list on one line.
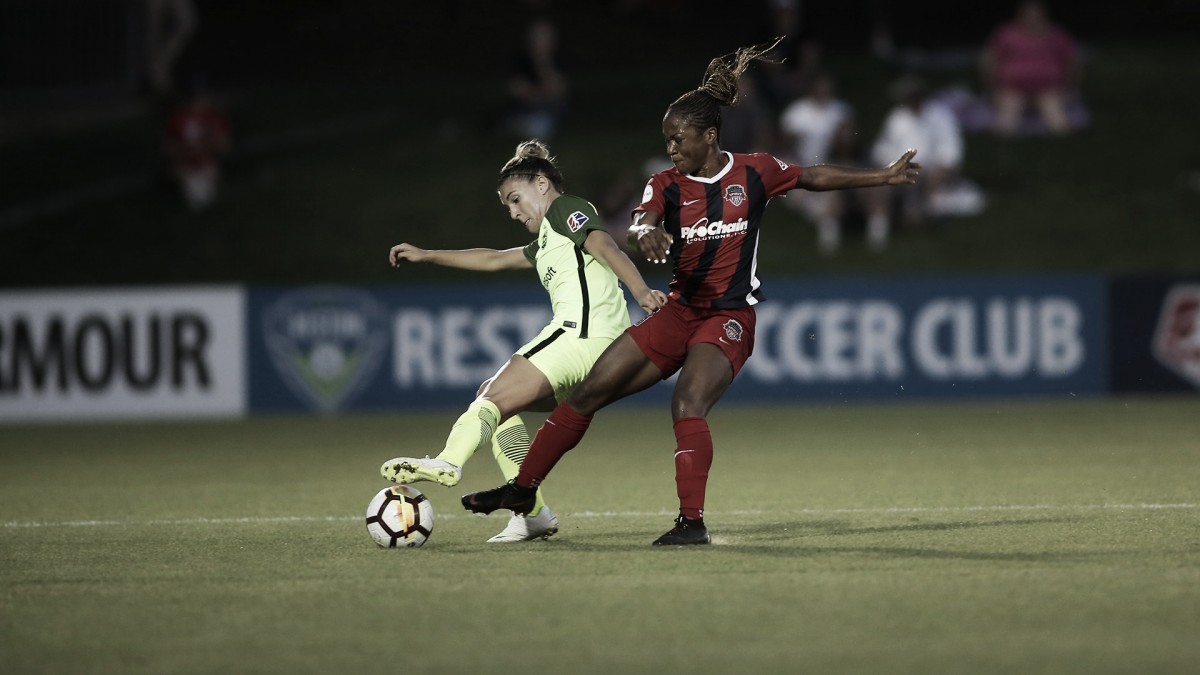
[(701, 107), (531, 160)]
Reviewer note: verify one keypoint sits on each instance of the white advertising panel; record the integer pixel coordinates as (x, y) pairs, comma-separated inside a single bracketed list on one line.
[(122, 353)]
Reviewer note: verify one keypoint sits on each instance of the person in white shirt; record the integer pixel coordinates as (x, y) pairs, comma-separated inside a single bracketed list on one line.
[(917, 121), (815, 127)]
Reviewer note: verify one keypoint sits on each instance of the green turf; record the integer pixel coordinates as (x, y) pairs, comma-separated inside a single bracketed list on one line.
[(1048, 537)]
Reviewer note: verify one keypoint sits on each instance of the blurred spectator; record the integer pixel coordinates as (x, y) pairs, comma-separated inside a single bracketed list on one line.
[(197, 138), (918, 122), (819, 129), (170, 25), (793, 77), (747, 126), (619, 199), (538, 86), (1030, 61)]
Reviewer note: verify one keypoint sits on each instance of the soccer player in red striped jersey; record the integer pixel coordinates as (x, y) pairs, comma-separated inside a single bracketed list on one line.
[(704, 215)]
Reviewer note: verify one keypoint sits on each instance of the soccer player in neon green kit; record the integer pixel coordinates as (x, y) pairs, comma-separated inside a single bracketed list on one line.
[(705, 214), (579, 264)]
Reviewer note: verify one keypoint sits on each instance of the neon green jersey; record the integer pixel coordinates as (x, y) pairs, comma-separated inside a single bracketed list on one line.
[(585, 295)]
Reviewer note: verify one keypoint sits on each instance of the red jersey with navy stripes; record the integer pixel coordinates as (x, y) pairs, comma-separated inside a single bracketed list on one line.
[(714, 223)]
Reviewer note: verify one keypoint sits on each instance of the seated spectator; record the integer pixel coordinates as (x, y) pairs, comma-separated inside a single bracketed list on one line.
[(197, 137), (918, 122), (792, 78), (818, 128), (538, 86), (748, 126), (1031, 62)]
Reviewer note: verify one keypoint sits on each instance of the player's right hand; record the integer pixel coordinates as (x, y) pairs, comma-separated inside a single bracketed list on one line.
[(406, 252), (654, 243)]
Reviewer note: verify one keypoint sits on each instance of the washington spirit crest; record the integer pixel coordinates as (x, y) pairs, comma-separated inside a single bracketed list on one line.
[(735, 194), (326, 343), (733, 330), (1177, 337)]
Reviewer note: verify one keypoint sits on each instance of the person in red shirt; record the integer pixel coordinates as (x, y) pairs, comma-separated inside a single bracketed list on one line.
[(196, 139), (704, 214), (1031, 61)]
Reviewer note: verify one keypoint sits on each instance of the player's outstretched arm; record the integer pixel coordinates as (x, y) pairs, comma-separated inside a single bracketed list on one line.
[(477, 259), (821, 177), (603, 248)]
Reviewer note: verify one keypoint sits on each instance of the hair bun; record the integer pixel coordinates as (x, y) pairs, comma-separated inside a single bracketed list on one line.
[(533, 148), (532, 159)]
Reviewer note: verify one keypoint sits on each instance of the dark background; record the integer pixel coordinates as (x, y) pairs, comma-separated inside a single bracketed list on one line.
[(358, 125), (258, 41)]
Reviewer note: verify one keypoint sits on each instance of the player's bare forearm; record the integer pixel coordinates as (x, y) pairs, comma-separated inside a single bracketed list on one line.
[(475, 259), (822, 177), (603, 248), (832, 177)]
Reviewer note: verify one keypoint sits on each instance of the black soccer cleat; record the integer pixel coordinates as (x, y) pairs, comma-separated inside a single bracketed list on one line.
[(519, 500), (686, 532)]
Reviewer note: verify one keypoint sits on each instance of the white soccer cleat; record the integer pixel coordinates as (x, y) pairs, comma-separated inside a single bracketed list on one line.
[(522, 528), (405, 470)]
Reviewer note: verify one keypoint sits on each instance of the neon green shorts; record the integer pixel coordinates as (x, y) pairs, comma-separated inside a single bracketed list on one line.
[(562, 357)]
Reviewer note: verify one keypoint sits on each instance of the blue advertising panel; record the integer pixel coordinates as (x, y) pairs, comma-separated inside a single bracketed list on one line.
[(946, 338), (331, 348), (336, 348), (1155, 334)]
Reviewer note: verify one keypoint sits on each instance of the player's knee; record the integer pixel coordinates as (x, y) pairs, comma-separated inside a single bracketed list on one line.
[(584, 402), (689, 406)]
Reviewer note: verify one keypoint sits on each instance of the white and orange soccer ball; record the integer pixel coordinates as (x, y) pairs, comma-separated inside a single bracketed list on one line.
[(400, 517)]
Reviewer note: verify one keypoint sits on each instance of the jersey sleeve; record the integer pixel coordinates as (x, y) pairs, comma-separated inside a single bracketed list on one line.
[(653, 197), (530, 252), (778, 176), (574, 218)]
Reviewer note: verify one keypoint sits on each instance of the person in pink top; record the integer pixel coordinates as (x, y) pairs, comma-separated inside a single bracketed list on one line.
[(1031, 61)]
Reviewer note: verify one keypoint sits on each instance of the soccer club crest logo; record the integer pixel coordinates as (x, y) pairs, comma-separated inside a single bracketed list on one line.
[(733, 330), (1177, 337), (326, 343), (735, 194)]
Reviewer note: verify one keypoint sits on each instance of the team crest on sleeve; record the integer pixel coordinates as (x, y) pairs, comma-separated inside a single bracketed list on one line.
[(735, 194), (576, 221), (733, 330), (647, 193)]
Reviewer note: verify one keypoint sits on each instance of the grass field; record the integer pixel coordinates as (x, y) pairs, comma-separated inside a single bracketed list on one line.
[(1031, 537)]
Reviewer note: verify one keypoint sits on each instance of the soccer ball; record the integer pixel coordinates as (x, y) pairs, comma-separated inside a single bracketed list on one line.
[(400, 517)]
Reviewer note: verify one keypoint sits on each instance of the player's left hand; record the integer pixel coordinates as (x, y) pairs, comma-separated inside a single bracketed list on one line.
[(652, 300), (904, 171)]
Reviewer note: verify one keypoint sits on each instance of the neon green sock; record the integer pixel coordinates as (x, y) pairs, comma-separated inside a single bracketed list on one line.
[(510, 444), (471, 430)]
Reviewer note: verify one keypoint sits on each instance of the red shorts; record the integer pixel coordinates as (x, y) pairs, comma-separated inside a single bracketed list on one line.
[(666, 335)]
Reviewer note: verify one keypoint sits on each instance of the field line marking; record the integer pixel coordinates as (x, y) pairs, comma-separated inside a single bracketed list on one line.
[(260, 520)]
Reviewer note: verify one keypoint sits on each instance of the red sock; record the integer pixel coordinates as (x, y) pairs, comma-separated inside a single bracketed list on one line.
[(693, 457), (563, 430)]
